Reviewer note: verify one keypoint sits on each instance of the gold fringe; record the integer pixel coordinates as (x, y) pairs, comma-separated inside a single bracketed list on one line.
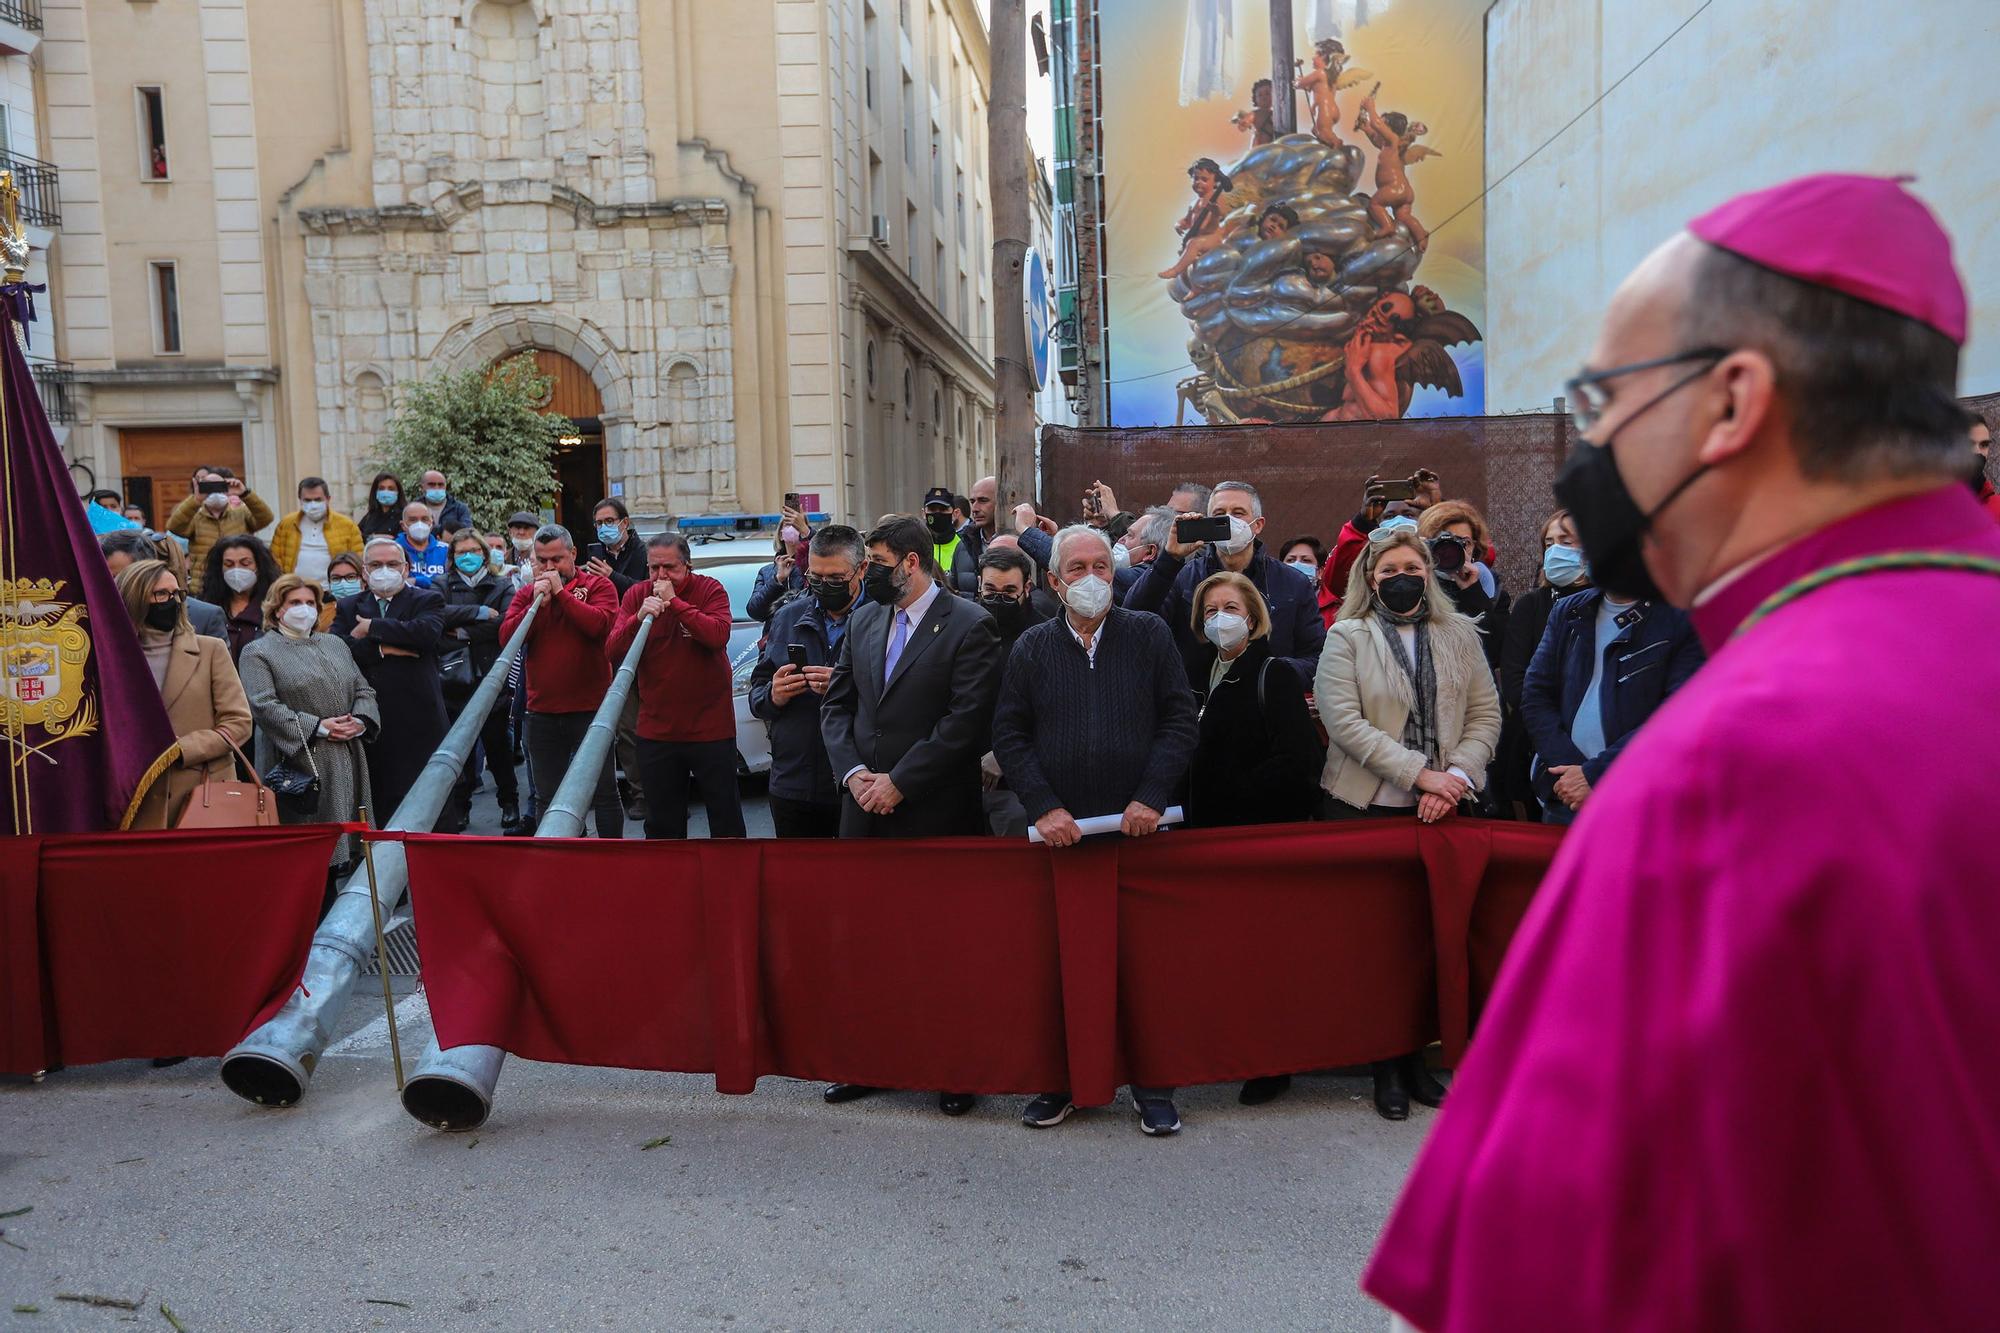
[(153, 775)]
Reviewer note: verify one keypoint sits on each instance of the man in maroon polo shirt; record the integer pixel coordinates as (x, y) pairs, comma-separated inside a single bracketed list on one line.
[(566, 673), (687, 722)]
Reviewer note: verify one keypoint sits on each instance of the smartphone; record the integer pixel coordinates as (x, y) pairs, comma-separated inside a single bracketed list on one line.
[(1396, 490), (795, 653), (1200, 528), (791, 500), (595, 551), (213, 486)]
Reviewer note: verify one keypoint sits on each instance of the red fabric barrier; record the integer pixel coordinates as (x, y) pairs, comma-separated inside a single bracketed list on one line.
[(151, 944), (982, 966)]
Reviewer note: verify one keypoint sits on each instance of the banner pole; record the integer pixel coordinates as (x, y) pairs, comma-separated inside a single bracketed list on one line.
[(382, 952)]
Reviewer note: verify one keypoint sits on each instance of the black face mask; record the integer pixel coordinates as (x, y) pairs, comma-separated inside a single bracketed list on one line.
[(882, 584), (940, 526), (1007, 613), (164, 616), (1402, 593), (833, 595)]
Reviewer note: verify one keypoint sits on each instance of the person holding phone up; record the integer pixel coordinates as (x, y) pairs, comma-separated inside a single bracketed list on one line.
[(218, 506), (791, 678), (1380, 499)]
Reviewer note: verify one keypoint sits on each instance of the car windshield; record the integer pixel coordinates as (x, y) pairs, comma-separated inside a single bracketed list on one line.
[(739, 579)]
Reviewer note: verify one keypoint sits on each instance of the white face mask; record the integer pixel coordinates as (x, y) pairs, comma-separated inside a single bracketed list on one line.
[(240, 580), (523, 544), (1089, 596), (1121, 557), (314, 509), (217, 502), (299, 619), (419, 533), (1240, 537), (385, 581), (1225, 630)]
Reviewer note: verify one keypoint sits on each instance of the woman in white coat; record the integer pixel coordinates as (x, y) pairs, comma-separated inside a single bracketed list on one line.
[(1412, 716)]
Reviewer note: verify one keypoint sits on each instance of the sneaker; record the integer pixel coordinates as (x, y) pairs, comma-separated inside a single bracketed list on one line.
[(1048, 1110), (1158, 1117)]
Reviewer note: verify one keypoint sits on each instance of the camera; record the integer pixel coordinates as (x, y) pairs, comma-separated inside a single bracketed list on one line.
[(1448, 554)]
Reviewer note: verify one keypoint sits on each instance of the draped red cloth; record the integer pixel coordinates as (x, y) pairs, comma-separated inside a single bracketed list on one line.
[(151, 944), (976, 966)]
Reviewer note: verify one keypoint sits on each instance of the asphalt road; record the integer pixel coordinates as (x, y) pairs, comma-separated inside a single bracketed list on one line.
[(772, 1211)]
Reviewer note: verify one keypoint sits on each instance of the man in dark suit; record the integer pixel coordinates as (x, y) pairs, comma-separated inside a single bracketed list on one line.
[(910, 705), (393, 630), (907, 712)]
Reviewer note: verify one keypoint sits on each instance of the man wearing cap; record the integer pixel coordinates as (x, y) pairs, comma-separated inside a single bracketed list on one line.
[(1738, 1071), (958, 567)]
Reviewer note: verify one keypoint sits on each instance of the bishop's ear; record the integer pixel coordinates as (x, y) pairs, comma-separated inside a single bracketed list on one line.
[(1739, 401)]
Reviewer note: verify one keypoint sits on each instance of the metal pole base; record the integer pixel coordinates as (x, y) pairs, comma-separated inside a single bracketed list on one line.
[(454, 1089), (273, 1066), (266, 1076)]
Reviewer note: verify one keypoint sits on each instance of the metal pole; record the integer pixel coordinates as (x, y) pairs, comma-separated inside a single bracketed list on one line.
[(1008, 187), (453, 1089), (382, 955), (273, 1065), (1284, 100)]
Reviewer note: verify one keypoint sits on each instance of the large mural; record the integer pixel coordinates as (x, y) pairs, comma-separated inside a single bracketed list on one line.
[(1334, 272)]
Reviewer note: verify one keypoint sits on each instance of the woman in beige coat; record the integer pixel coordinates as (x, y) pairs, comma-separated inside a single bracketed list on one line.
[(1409, 706), (204, 699)]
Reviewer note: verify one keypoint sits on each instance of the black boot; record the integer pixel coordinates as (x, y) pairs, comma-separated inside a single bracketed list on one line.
[(1416, 1076), (1392, 1100), (510, 813), (1257, 1091)]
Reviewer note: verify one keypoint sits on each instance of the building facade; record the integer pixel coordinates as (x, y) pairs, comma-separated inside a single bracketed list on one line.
[(40, 189), (283, 212)]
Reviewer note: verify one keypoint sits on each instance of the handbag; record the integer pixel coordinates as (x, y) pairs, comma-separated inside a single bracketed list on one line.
[(231, 802), (455, 670), (297, 792)]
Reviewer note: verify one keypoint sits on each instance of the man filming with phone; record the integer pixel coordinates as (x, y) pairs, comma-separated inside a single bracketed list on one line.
[(1228, 538), (800, 650)]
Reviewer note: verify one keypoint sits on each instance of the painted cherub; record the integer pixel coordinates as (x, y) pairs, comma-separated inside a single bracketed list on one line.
[(1396, 150), (1329, 75), (1257, 119), (1201, 229), (1396, 347)]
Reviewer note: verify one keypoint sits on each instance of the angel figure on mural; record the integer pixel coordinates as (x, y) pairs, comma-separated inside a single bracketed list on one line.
[(1201, 229), (1396, 150), (1329, 75), (1399, 344), (1257, 119)]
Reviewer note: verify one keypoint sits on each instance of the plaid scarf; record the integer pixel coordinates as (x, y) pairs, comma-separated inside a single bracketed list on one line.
[(1420, 728)]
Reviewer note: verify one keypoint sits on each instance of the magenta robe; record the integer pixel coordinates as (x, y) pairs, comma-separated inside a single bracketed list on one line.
[(1742, 1069)]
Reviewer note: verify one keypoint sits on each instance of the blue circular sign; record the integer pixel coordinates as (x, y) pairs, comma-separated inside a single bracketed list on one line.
[(1035, 293)]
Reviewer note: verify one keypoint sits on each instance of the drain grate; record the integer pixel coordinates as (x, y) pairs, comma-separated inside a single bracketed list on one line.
[(403, 960)]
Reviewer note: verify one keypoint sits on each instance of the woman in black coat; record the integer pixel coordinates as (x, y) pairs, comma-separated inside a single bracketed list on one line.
[(380, 518), (476, 596), (1559, 576)]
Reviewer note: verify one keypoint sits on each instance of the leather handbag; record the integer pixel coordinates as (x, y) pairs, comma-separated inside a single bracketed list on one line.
[(231, 802), (297, 790), (455, 670)]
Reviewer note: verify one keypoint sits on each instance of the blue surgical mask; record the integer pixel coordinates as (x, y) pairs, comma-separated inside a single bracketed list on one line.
[(344, 587), (469, 562), (386, 498), (1564, 566), (608, 533), (435, 495)]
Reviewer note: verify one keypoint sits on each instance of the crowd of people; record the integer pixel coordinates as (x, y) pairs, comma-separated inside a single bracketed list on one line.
[(937, 674)]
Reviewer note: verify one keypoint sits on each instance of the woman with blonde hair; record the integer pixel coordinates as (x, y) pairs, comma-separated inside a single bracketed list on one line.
[(204, 698), (1409, 706), (314, 708)]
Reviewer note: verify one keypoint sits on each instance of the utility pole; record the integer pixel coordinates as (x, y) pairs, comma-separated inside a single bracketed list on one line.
[(1008, 187), (1284, 99)]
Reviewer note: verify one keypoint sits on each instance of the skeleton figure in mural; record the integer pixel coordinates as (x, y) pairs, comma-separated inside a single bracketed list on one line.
[(1258, 118), (1201, 228), (1400, 344), (1396, 151), (1329, 75)]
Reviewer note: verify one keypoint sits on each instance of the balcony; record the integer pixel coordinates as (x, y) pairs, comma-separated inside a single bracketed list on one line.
[(55, 381), (38, 181), (20, 26)]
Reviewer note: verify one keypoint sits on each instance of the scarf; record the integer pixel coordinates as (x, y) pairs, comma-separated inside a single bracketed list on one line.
[(1420, 728)]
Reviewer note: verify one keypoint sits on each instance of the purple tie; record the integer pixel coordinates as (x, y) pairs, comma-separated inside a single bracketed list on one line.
[(896, 642)]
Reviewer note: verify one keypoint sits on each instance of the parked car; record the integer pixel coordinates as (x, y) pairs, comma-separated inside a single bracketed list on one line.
[(735, 567)]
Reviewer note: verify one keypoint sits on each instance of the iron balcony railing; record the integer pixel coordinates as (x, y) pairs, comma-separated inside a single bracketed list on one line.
[(55, 381), (41, 195), (25, 13)]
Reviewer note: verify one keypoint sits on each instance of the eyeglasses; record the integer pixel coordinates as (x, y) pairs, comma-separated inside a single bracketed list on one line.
[(1589, 399)]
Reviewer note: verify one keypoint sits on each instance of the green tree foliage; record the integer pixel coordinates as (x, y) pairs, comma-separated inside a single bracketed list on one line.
[(486, 431)]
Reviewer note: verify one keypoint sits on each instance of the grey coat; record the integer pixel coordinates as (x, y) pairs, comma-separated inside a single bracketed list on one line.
[(295, 683)]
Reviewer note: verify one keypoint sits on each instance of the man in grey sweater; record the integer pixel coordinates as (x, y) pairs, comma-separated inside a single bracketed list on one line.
[(1095, 718)]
